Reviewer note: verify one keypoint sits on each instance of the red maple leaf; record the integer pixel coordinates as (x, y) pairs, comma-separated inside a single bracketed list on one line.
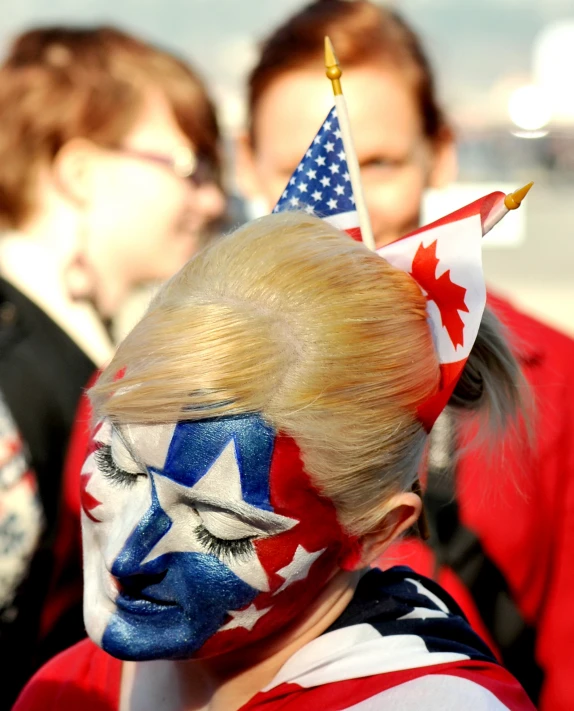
[(89, 502), (448, 296)]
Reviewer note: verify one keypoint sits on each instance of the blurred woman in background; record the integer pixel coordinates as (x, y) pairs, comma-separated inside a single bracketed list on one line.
[(502, 541), (109, 178)]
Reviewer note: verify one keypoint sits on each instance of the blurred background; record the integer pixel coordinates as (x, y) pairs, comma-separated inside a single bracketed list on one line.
[(505, 69)]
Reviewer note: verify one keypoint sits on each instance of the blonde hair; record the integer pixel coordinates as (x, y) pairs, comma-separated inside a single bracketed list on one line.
[(290, 318)]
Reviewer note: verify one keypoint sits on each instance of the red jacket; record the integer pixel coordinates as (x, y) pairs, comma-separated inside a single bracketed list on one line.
[(522, 505), (519, 502)]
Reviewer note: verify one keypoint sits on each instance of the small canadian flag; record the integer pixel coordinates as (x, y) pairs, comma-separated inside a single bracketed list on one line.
[(445, 259)]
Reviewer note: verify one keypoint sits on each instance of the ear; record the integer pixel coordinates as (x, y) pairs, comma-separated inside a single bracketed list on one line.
[(72, 169), (246, 176), (444, 165), (402, 512)]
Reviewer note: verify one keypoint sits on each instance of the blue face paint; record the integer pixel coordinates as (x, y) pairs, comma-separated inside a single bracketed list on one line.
[(169, 607), (203, 590), (189, 559), (196, 445)]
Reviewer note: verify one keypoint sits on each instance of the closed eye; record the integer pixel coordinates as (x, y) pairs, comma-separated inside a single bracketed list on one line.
[(227, 525), (111, 471), (224, 549)]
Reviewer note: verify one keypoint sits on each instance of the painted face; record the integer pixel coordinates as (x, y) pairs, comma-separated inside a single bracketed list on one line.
[(200, 537)]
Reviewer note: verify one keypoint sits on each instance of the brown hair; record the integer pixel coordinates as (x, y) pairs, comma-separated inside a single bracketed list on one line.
[(362, 32), (59, 83)]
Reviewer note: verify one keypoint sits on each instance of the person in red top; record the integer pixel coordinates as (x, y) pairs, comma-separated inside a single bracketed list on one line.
[(258, 443), (504, 549)]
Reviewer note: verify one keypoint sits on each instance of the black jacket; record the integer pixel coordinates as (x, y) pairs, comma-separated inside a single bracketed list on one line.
[(42, 374)]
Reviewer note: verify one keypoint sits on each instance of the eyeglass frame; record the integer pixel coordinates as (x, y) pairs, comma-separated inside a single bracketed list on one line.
[(184, 163)]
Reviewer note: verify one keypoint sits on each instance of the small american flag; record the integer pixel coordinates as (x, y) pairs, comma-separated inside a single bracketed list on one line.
[(321, 184)]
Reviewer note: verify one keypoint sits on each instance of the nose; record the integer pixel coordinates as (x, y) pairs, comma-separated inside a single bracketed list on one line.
[(210, 201), (137, 585), (151, 528)]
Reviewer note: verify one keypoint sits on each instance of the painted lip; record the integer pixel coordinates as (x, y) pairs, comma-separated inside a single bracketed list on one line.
[(142, 604)]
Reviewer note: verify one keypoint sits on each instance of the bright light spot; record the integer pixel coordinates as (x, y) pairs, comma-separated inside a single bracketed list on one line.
[(529, 108), (530, 134)]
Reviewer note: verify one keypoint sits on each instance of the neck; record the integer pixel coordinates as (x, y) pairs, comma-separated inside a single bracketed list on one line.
[(63, 228), (56, 230), (227, 682)]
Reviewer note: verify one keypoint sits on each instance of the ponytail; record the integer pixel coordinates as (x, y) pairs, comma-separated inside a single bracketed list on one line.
[(491, 382)]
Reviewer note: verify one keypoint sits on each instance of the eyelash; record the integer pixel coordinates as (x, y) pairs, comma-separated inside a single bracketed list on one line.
[(223, 549), (110, 470)]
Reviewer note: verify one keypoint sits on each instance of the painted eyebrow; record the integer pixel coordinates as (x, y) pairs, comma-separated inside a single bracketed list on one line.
[(244, 512), (265, 521), (98, 435)]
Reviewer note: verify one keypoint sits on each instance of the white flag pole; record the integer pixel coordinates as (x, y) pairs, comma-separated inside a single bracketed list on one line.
[(333, 71)]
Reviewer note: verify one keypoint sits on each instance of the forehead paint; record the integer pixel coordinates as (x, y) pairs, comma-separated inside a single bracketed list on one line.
[(231, 541), (196, 445)]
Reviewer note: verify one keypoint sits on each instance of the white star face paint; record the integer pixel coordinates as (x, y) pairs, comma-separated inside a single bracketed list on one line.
[(109, 510), (189, 539)]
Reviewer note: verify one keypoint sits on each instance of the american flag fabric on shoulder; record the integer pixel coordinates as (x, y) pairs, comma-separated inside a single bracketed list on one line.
[(321, 183), (444, 258)]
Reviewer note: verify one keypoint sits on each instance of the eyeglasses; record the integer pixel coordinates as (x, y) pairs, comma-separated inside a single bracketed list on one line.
[(183, 162)]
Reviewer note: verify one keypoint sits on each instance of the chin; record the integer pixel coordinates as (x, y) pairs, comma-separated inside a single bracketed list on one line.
[(143, 637)]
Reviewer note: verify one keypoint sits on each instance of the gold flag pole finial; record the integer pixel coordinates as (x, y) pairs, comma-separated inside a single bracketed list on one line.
[(333, 70), (513, 200)]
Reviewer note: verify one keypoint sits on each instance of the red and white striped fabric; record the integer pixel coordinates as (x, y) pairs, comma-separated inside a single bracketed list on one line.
[(458, 685), (445, 259), (399, 645)]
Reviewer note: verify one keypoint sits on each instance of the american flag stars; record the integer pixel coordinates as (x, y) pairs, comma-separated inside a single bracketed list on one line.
[(321, 182)]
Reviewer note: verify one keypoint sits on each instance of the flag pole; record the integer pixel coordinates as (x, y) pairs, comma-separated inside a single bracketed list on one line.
[(334, 72), (511, 201)]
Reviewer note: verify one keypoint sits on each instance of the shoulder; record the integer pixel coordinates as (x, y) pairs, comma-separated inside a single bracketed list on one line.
[(532, 339), (439, 691), (468, 685), (82, 677)]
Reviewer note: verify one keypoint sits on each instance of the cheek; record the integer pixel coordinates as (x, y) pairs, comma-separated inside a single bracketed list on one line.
[(394, 203), (109, 512), (135, 206), (270, 182), (294, 587), (298, 563)]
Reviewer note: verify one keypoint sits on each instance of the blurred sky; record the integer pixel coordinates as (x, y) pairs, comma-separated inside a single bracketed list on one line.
[(481, 48), (483, 51)]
